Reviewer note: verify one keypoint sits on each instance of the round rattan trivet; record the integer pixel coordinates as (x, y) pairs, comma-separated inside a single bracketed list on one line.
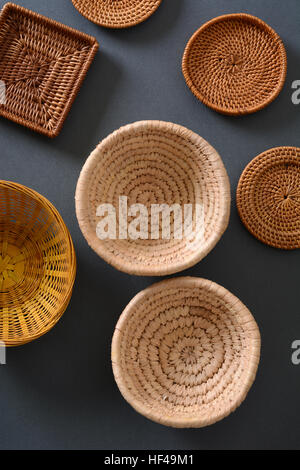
[(268, 197), (235, 64), (154, 163), (185, 352), (117, 13)]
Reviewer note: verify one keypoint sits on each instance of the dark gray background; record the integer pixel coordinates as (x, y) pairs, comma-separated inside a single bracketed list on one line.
[(58, 392)]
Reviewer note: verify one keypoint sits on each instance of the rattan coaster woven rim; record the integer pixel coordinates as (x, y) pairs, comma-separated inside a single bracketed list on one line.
[(71, 273), (256, 21), (64, 30), (287, 238), (247, 324), (109, 22), (82, 199)]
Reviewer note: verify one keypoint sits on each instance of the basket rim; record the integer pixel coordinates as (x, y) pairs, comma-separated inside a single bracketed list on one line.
[(239, 191), (81, 202), (194, 421), (112, 25), (18, 187), (256, 21), (81, 76)]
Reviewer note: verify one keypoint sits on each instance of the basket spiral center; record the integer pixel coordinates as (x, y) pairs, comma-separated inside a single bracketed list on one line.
[(234, 62)]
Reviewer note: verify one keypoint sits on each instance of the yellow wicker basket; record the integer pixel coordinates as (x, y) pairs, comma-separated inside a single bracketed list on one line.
[(37, 264), (185, 352)]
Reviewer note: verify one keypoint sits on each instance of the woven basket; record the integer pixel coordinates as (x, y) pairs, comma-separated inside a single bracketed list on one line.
[(117, 13), (185, 352), (154, 162), (268, 197), (42, 65), (235, 64), (37, 265)]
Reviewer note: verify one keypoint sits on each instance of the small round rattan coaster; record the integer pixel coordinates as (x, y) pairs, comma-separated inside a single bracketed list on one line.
[(268, 197), (235, 64), (117, 13), (185, 352)]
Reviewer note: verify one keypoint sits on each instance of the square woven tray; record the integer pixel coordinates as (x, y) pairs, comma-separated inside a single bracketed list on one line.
[(42, 66)]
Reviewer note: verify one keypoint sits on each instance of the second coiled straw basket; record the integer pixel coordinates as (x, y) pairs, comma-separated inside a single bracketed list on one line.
[(185, 352), (154, 163), (37, 265), (235, 64)]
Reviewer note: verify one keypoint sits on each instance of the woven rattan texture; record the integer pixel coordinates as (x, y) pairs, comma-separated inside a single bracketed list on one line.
[(154, 162), (185, 352), (37, 265), (117, 13), (235, 64), (42, 64), (268, 197)]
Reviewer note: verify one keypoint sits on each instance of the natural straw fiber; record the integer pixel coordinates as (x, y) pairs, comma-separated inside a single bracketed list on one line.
[(268, 197), (185, 352), (116, 13), (42, 64), (235, 64), (154, 162), (37, 265)]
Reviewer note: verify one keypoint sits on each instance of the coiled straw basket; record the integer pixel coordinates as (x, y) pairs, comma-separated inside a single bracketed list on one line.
[(37, 265), (185, 352), (154, 163)]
